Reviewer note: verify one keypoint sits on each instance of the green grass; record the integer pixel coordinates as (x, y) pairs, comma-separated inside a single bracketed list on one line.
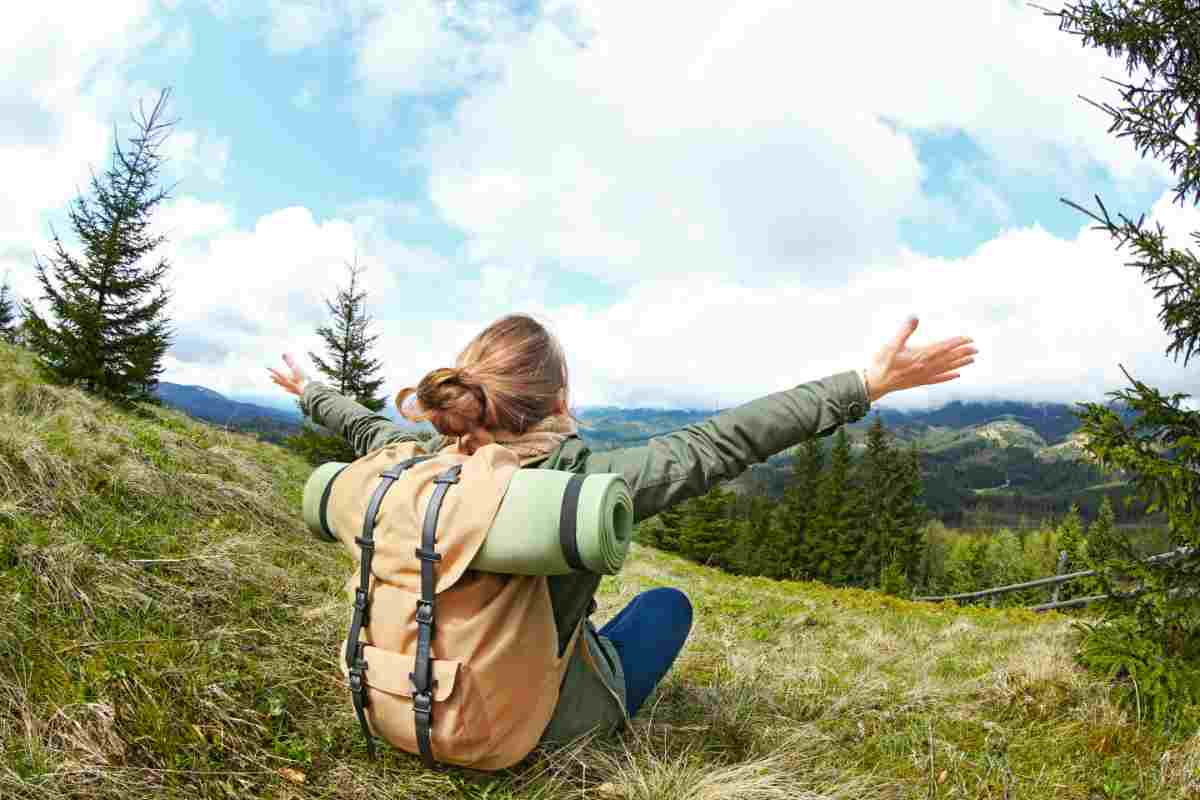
[(171, 629)]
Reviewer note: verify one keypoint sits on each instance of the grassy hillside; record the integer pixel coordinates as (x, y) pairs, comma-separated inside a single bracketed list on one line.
[(168, 628)]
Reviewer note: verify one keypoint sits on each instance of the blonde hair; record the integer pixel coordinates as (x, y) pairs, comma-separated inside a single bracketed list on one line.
[(510, 377)]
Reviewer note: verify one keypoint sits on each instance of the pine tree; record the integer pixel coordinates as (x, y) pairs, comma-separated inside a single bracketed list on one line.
[(708, 532), (755, 540), (1071, 541), (8, 321), (1161, 448), (827, 531), (878, 467), (108, 337), (768, 537), (798, 556), (1103, 545), (351, 369), (907, 513), (665, 535), (856, 515)]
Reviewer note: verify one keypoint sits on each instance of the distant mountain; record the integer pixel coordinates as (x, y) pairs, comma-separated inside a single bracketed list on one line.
[(205, 404)]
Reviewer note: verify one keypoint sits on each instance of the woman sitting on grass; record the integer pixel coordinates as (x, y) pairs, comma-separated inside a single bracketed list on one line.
[(509, 386)]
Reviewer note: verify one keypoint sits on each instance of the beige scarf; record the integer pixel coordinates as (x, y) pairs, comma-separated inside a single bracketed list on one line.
[(535, 443)]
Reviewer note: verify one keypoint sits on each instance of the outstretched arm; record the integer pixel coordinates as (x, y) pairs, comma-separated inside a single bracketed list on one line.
[(364, 429), (689, 462)]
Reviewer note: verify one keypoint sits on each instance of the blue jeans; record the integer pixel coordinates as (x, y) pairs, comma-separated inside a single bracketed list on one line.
[(648, 634)]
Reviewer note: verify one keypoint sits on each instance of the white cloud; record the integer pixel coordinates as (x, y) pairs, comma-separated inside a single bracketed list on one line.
[(724, 147), (1052, 320), (58, 100), (239, 294), (189, 155), (297, 24)]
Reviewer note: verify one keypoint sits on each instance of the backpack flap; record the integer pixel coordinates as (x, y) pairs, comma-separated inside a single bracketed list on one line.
[(461, 730)]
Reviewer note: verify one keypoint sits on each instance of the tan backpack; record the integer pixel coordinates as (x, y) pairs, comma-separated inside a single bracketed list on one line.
[(457, 665)]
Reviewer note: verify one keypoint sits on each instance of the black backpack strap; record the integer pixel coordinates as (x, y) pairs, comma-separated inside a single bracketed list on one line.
[(354, 647), (421, 676)]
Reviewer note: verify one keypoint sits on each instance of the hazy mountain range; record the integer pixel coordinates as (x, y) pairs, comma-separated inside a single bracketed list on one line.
[(1005, 454)]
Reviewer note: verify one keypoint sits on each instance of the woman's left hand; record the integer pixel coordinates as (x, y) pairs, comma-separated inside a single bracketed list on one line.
[(294, 382), (898, 367)]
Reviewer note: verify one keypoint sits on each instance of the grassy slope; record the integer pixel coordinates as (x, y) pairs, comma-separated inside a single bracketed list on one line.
[(170, 629)]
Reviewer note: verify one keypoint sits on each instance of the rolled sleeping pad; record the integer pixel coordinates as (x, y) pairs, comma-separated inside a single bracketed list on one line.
[(550, 522), (316, 497)]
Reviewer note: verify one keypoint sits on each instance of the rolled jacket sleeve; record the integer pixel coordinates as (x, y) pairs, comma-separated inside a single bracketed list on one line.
[(688, 462)]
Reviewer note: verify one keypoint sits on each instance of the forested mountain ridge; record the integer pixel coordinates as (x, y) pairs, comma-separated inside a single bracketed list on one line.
[(1008, 456)]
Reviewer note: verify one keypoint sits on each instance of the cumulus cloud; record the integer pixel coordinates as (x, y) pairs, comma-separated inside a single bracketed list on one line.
[(242, 293), (297, 24), (751, 141), (189, 154), (726, 147), (58, 100), (1052, 319)]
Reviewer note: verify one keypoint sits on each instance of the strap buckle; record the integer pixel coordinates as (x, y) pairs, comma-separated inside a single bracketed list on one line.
[(424, 612), (422, 702), (360, 599), (428, 555)]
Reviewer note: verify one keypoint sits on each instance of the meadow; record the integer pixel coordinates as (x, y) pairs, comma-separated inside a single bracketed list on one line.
[(169, 628)]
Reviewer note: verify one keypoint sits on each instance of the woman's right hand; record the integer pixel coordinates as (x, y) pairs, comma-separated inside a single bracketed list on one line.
[(294, 382)]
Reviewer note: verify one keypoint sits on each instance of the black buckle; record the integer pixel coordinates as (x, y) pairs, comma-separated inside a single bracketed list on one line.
[(428, 555), (356, 678), (422, 702), (424, 613), (360, 600)]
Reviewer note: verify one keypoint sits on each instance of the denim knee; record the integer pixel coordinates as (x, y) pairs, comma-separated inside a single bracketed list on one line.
[(675, 600)]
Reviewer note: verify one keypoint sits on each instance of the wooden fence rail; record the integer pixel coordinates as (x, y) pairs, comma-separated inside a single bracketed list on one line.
[(1056, 581)]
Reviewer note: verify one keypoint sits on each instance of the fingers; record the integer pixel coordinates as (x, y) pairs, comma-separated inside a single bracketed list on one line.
[(948, 345), (962, 362), (897, 343)]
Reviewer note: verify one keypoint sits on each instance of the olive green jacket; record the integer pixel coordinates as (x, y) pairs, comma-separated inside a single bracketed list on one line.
[(666, 470)]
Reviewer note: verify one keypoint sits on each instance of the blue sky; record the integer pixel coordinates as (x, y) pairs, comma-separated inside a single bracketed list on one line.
[(702, 216)]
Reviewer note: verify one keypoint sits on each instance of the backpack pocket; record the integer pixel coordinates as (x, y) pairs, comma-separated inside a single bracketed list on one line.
[(461, 730)]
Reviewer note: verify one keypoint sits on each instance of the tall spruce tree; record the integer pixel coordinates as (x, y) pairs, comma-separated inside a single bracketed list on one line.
[(8, 321), (708, 532), (1158, 640), (908, 514), (350, 367), (828, 528), (108, 334), (798, 554), (878, 467), (670, 524)]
